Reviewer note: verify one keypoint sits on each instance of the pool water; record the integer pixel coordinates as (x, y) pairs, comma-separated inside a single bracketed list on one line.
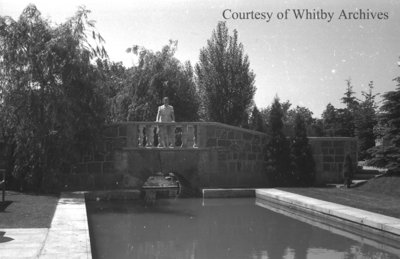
[(212, 228)]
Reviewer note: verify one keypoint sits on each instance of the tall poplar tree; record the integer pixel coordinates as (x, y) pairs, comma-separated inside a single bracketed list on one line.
[(224, 78)]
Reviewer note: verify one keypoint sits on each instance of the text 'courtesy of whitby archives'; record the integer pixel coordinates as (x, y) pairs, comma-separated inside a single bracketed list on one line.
[(305, 14)]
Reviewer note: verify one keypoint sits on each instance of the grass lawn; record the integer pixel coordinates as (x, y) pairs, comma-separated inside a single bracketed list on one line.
[(380, 195), (28, 210)]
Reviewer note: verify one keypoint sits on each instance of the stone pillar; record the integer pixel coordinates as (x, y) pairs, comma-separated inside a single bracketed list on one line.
[(172, 136)]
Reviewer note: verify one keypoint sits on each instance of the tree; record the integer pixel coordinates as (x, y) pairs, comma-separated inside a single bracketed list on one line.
[(301, 154), (285, 106), (329, 117), (304, 112), (224, 78), (388, 154), (157, 75), (338, 122), (347, 115), (51, 108), (113, 81), (317, 128), (345, 122), (312, 125), (365, 122), (278, 149), (256, 121), (349, 99)]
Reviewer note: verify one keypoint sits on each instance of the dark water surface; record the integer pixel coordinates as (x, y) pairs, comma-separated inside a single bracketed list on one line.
[(213, 228)]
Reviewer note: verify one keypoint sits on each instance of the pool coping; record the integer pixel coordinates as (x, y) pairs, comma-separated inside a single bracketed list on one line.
[(68, 235), (377, 223)]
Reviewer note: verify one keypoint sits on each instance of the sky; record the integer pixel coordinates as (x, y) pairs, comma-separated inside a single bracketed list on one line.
[(305, 61)]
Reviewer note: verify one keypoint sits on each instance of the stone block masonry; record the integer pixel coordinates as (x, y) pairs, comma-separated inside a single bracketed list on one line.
[(213, 155), (329, 154)]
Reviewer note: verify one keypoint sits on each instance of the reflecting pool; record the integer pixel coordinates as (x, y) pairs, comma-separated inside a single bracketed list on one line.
[(215, 228)]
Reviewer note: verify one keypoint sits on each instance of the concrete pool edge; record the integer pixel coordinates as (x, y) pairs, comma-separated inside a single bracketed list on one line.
[(374, 221), (68, 235)]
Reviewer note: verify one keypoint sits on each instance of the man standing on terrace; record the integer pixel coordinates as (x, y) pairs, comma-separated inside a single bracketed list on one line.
[(165, 114)]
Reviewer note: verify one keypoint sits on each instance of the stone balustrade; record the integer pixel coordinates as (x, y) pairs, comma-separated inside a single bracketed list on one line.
[(187, 134), (181, 134)]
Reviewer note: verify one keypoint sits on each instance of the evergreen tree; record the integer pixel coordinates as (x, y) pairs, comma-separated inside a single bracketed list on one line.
[(278, 149), (256, 121), (346, 116), (349, 99), (224, 78), (345, 123), (340, 122), (301, 154), (365, 121), (388, 154)]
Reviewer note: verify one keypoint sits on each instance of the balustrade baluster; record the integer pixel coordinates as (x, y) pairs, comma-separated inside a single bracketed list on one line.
[(150, 135), (158, 135), (184, 136), (141, 135)]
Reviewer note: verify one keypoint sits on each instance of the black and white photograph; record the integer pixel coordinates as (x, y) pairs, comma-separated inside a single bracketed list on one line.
[(183, 129)]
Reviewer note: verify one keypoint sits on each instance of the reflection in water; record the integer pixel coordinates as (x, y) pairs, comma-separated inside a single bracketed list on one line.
[(350, 231), (221, 228)]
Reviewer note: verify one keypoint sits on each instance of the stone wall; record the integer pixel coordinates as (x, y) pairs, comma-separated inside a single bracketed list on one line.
[(239, 156), (102, 168), (329, 154), (225, 156)]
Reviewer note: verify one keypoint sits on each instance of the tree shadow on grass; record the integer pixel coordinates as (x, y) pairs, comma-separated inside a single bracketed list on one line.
[(4, 205), (4, 239)]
